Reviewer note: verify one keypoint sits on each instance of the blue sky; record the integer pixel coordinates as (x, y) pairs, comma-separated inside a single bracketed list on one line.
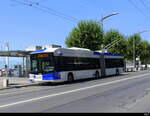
[(22, 25)]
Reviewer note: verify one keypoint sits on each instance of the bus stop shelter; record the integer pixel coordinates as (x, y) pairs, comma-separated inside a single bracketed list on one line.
[(19, 54)]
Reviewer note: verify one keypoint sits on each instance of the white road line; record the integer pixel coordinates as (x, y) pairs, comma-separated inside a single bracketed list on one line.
[(72, 91)]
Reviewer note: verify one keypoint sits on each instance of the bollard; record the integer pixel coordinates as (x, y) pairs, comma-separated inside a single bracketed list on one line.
[(5, 82)]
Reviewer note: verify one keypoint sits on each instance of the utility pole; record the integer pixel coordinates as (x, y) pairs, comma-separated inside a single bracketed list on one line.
[(7, 58), (134, 47)]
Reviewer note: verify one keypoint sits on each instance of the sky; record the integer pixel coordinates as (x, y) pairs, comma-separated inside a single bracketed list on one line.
[(23, 25)]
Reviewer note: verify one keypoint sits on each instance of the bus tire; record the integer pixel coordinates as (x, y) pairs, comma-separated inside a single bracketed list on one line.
[(117, 72), (97, 76), (70, 78)]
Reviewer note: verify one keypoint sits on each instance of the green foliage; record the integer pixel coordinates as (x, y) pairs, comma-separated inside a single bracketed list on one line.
[(134, 41), (87, 34), (116, 40), (142, 48), (145, 54)]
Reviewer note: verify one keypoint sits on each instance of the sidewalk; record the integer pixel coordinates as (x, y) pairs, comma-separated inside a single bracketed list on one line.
[(15, 82)]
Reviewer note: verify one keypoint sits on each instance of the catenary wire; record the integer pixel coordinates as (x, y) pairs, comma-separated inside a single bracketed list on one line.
[(139, 10), (144, 4), (50, 11)]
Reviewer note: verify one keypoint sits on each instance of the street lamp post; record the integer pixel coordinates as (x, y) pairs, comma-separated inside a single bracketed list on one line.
[(105, 17), (134, 54), (7, 59), (102, 21)]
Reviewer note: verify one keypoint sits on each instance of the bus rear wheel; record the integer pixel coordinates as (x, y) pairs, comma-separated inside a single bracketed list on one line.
[(117, 72), (97, 76), (70, 78)]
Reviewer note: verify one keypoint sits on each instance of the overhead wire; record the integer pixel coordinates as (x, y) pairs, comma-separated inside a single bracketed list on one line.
[(144, 4), (71, 17), (48, 10), (139, 10)]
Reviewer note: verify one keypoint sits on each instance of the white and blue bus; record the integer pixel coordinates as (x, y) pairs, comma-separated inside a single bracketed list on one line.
[(69, 64)]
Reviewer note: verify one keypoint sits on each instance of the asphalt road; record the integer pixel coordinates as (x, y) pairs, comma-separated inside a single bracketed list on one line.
[(124, 93)]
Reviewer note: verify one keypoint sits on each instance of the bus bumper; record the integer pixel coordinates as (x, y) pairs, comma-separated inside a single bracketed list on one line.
[(50, 77)]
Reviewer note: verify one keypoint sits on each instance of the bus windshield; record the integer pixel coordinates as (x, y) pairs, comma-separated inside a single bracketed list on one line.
[(42, 63)]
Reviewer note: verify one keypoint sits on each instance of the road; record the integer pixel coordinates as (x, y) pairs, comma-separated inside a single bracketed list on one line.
[(124, 93)]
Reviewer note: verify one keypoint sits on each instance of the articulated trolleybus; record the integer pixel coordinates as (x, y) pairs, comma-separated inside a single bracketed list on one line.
[(69, 64)]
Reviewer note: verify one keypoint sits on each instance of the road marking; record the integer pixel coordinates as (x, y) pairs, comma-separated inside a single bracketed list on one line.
[(72, 91)]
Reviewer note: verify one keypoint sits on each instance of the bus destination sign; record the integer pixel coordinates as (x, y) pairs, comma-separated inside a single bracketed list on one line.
[(42, 55)]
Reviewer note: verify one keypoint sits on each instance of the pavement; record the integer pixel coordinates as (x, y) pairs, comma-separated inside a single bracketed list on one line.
[(14, 82), (124, 93), (142, 105)]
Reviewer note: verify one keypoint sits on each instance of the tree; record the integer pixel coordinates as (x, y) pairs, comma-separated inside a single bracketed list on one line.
[(87, 34), (116, 41), (145, 54), (134, 41)]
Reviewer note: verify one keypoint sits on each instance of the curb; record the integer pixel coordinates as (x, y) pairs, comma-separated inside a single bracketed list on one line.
[(19, 86)]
